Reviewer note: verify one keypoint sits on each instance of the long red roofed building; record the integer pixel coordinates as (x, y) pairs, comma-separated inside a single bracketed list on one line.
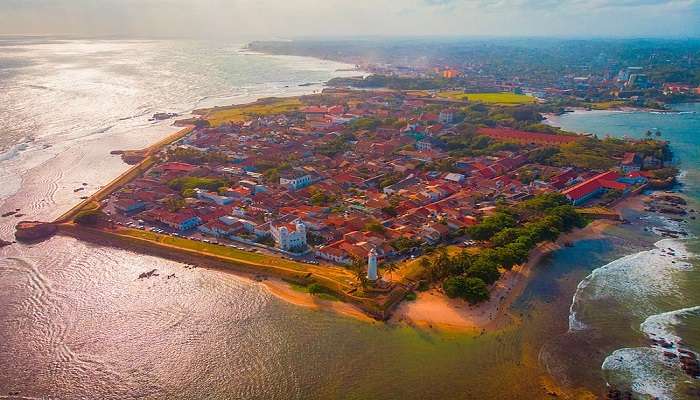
[(514, 135)]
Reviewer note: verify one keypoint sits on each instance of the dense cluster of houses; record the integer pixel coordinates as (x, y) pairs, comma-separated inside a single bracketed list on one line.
[(299, 181)]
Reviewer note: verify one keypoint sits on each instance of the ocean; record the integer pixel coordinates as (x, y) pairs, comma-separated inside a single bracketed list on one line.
[(653, 293), (75, 322)]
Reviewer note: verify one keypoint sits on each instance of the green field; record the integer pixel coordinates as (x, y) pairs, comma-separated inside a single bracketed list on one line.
[(340, 275), (219, 115), (503, 98)]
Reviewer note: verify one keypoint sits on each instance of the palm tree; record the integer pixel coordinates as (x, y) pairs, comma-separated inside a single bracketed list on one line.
[(358, 267), (391, 268)]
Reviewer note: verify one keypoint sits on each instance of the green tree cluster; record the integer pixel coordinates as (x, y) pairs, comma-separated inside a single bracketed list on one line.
[(513, 232), (194, 182), (473, 290)]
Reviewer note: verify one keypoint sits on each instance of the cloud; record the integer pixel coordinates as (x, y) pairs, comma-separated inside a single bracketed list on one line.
[(291, 18)]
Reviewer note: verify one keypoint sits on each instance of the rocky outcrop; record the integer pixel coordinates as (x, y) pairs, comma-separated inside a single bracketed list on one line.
[(33, 231), (662, 184)]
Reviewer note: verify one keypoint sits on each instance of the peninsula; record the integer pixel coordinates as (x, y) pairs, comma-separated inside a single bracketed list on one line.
[(370, 196)]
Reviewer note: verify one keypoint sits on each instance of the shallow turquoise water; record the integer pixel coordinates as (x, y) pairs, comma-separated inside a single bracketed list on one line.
[(647, 293)]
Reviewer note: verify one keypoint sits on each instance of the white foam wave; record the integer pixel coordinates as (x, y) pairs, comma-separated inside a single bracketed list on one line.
[(646, 370), (661, 325), (642, 369), (633, 279)]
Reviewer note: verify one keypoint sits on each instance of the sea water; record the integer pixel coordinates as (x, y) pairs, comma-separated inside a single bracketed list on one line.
[(76, 322), (653, 293)]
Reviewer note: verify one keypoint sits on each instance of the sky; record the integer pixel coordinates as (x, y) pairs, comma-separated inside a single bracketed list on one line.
[(271, 19)]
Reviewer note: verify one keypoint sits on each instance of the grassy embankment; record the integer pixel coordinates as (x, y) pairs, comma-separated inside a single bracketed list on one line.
[(341, 275), (237, 113), (331, 281), (501, 99), (607, 105)]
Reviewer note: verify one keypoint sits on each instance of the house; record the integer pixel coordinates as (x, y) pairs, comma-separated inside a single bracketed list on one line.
[(220, 200), (588, 189), (217, 228), (514, 135), (402, 184), (289, 236), (446, 116), (423, 145), (295, 180), (630, 162), (334, 252), (128, 206), (181, 221), (634, 178), (670, 89), (433, 233), (176, 167), (454, 177)]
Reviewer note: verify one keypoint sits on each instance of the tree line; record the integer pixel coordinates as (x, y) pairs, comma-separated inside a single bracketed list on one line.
[(510, 234)]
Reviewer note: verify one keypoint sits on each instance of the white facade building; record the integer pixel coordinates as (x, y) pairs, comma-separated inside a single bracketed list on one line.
[(289, 236), (296, 182)]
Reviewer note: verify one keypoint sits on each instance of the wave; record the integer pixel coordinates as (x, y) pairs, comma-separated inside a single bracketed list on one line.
[(643, 371), (647, 370), (633, 279), (661, 325)]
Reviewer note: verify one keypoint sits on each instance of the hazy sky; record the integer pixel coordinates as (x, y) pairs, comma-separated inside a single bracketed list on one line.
[(248, 19)]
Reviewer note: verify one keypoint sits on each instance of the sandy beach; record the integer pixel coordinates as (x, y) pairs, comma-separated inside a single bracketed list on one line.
[(434, 310), (283, 291)]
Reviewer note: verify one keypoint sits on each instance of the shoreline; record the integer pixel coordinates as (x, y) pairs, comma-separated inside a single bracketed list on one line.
[(434, 310), (431, 309), (285, 292), (277, 279)]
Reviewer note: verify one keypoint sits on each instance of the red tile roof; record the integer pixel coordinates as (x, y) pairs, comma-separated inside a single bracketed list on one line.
[(585, 188), (177, 166), (526, 137)]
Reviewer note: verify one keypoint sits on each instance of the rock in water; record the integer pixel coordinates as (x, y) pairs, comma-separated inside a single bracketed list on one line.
[(31, 231)]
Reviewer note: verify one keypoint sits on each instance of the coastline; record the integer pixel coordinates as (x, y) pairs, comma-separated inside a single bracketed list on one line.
[(285, 292), (434, 310)]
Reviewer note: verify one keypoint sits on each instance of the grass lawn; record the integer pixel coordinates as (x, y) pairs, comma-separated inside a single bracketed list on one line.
[(215, 249), (418, 93), (608, 105), (340, 276), (504, 98), (219, 115), (305, 289)]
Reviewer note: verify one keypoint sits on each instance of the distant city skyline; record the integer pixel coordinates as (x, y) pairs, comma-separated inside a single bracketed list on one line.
[(248, 19)]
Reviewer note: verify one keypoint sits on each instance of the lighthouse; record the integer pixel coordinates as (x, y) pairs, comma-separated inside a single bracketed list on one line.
[(372, 266)]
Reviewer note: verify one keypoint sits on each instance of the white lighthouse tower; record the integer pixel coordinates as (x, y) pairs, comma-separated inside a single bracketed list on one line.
[(372, 266)]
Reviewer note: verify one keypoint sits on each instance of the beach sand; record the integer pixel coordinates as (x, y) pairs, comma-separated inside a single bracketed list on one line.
[(283, 291), (433, 309)]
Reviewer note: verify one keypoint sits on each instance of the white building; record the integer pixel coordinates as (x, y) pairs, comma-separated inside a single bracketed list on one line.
[(289, 236), (295, 180), (220, 200), (446, 116)]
